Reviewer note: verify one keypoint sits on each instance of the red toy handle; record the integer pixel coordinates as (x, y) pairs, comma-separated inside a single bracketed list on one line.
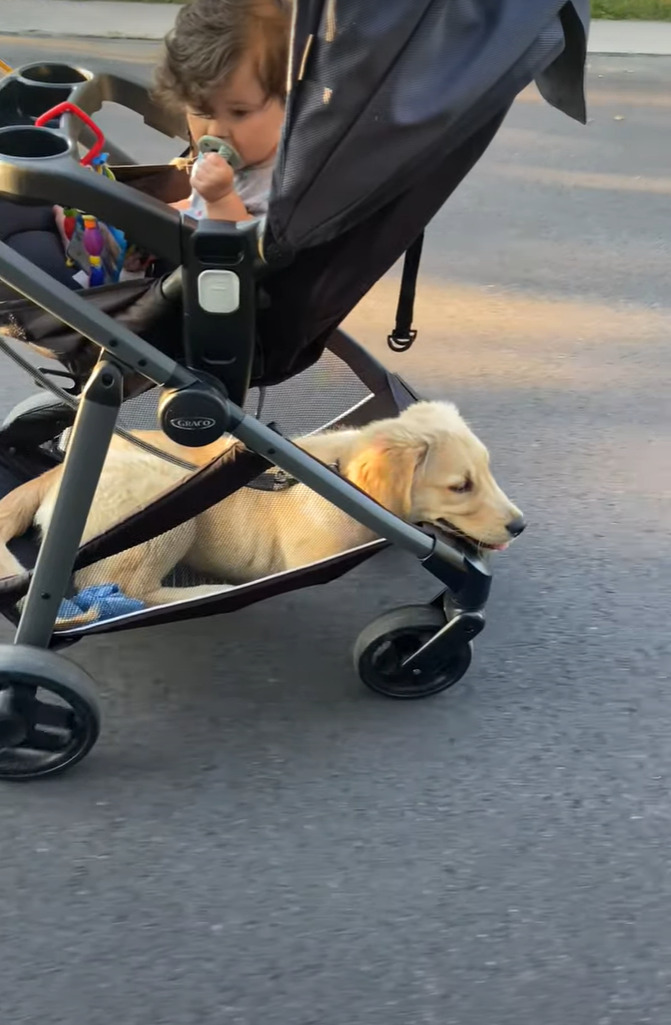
[(71, 108)]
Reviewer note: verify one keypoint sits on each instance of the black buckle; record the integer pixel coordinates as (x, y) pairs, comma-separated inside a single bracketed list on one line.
[(398, 342)]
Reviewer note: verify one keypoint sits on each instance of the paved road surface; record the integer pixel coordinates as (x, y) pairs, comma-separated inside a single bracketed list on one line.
[(257, 840)]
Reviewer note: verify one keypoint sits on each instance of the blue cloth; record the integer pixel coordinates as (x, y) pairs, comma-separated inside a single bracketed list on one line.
[(105, 599)]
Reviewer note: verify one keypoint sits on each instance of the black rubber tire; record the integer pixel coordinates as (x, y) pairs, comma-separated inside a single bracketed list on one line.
[(31, 668), (395, 636)]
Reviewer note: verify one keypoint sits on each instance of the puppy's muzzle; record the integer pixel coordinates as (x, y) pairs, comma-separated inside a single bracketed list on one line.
[(516, 526)]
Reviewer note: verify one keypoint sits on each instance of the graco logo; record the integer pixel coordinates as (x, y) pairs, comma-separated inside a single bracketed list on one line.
[(195, 423)]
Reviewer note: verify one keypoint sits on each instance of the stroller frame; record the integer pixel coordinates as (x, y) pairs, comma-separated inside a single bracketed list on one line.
[(202, 400)]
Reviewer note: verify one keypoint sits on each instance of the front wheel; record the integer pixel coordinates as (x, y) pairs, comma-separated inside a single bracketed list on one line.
[(384, 646)]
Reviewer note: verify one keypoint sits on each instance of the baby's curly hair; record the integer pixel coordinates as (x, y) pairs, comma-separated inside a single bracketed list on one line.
[(210, 39)]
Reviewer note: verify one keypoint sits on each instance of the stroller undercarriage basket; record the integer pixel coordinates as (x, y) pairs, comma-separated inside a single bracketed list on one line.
[(200, 360)]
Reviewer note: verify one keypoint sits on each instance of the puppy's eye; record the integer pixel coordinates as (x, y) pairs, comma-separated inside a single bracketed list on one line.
[(463, 488)]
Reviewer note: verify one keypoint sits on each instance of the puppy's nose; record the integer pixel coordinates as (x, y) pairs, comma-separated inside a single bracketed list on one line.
[(516, 526)]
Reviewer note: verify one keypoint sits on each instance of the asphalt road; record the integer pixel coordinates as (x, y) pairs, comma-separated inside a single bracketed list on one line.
[(256, 839)]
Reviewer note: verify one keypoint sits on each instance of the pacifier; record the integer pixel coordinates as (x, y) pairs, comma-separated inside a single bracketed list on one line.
[(211, 144)]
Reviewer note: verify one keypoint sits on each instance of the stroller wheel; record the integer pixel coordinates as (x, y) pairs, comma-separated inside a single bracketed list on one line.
[(385, 644), (49, 715)]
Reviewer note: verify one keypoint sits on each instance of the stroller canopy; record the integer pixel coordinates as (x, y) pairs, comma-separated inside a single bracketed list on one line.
[(383, 90)]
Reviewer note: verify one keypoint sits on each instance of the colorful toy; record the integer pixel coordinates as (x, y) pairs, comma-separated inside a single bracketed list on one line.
[(69, 225), (94, 244), (96, 248)]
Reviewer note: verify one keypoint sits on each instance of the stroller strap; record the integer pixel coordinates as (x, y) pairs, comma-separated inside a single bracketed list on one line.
[(403, 335)]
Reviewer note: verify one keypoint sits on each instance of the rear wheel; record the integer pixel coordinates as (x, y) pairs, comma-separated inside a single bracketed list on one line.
[(49, 714)]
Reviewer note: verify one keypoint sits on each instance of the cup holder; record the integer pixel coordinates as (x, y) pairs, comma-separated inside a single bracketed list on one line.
[(53, 74), (42, 86), (32, 143)]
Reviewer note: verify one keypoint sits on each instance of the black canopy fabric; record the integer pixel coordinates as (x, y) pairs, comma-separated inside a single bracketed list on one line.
[(382, 90)]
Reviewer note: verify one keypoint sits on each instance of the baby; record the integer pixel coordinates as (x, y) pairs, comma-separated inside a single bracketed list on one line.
[(225, 67)]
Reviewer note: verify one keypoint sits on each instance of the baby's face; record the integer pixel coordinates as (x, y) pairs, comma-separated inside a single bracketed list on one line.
[(242, 114)]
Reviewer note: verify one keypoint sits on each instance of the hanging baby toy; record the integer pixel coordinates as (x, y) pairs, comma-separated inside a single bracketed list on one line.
[(69, 225), (94, 244), (98, 249)]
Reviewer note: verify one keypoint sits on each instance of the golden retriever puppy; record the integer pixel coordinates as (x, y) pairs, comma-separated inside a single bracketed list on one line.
[(425, 465)]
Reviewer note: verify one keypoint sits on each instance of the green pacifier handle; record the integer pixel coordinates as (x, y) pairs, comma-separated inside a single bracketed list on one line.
[(211, 144)]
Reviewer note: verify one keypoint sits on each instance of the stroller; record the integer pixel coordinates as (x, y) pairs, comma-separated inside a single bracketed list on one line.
[(390, 105)]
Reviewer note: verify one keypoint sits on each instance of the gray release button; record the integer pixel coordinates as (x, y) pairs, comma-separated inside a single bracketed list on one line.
[(219, 291)]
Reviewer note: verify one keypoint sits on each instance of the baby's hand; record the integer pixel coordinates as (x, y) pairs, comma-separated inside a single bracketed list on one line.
[(212, 178)]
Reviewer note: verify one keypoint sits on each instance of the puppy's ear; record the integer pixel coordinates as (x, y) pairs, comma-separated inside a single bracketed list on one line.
[(387, 472)]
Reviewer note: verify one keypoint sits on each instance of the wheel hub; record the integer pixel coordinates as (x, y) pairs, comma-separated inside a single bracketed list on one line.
[(13, 728), (388, 653), (389, 659)]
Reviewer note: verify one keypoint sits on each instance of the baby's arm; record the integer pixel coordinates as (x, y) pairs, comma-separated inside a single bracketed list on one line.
[(213, 180)]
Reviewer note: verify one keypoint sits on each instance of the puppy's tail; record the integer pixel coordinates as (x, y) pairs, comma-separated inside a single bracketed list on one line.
[(17, 512)]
